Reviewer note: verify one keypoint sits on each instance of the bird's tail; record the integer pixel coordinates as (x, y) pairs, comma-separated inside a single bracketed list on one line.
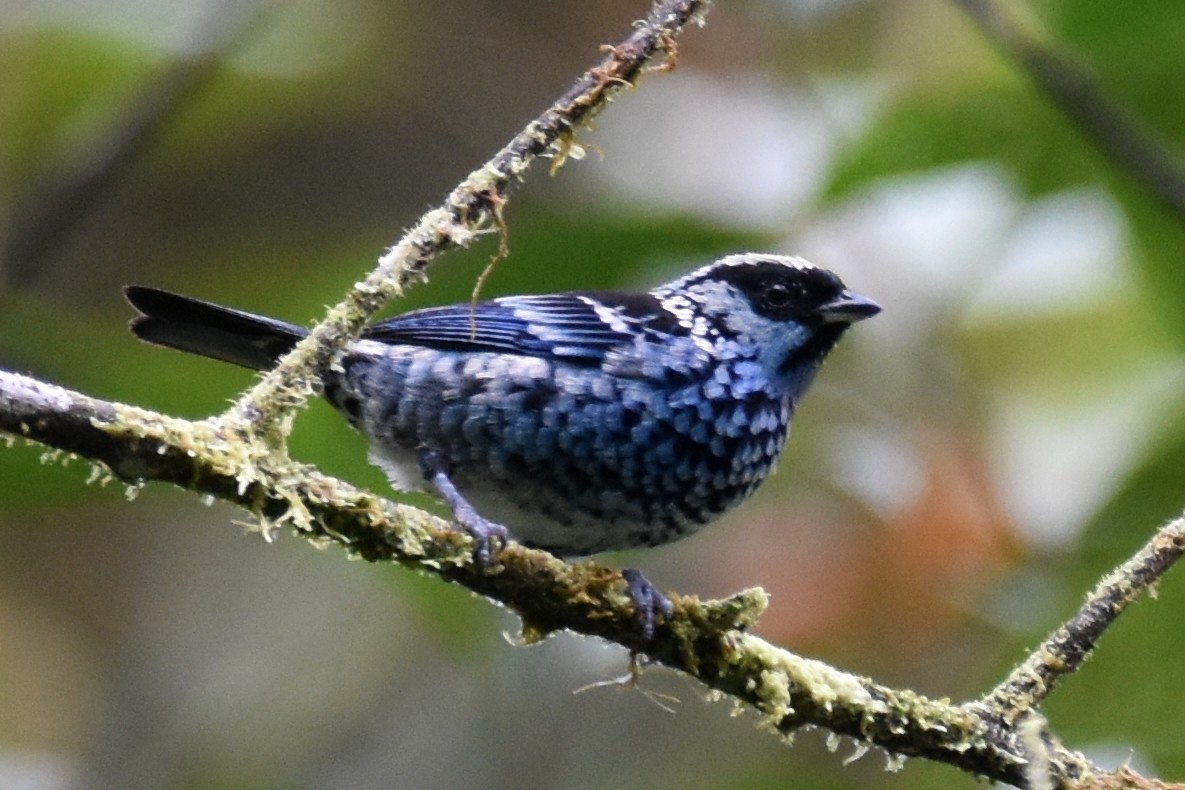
[(223, 333)]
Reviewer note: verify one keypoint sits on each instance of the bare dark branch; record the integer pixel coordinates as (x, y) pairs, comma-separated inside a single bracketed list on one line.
[(52, 213), (1072, 88)]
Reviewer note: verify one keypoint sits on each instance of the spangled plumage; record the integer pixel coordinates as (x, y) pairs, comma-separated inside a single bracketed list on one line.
[(582, 421)]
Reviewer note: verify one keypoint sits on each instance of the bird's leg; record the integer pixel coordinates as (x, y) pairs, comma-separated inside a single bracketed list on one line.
[(488, 536), (647, 600)]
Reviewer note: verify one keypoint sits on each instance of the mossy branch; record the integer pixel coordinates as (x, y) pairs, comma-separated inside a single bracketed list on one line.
[(706, 639), (1000, 736)]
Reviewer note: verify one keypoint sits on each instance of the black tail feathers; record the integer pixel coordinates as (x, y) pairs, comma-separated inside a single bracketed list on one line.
[(223, 333)]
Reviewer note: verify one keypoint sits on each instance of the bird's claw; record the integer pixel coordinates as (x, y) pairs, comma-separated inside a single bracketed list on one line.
[(647, 600), (489, 537)]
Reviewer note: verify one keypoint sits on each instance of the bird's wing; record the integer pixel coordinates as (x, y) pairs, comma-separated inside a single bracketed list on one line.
[(577, 327)]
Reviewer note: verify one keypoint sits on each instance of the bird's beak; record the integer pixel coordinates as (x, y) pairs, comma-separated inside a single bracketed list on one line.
[(849, 307)]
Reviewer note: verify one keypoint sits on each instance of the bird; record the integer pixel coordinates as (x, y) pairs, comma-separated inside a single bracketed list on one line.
[(576, 422)]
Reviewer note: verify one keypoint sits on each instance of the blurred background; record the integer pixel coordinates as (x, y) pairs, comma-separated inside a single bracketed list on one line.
[(965, 468)]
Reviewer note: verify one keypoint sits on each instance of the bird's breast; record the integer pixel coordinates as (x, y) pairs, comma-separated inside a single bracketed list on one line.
[(569, 457)]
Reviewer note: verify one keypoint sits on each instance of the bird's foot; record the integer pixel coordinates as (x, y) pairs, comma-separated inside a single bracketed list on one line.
[(489, 537), (648, 600)]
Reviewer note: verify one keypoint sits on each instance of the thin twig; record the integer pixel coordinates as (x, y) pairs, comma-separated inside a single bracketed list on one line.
[(1072, 88), (1064, 650), (471, 209)]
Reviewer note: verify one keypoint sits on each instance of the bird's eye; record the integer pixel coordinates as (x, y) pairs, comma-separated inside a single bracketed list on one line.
[(778, 296)]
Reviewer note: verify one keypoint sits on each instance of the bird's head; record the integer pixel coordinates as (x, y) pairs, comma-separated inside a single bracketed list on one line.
[(784, 310)]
